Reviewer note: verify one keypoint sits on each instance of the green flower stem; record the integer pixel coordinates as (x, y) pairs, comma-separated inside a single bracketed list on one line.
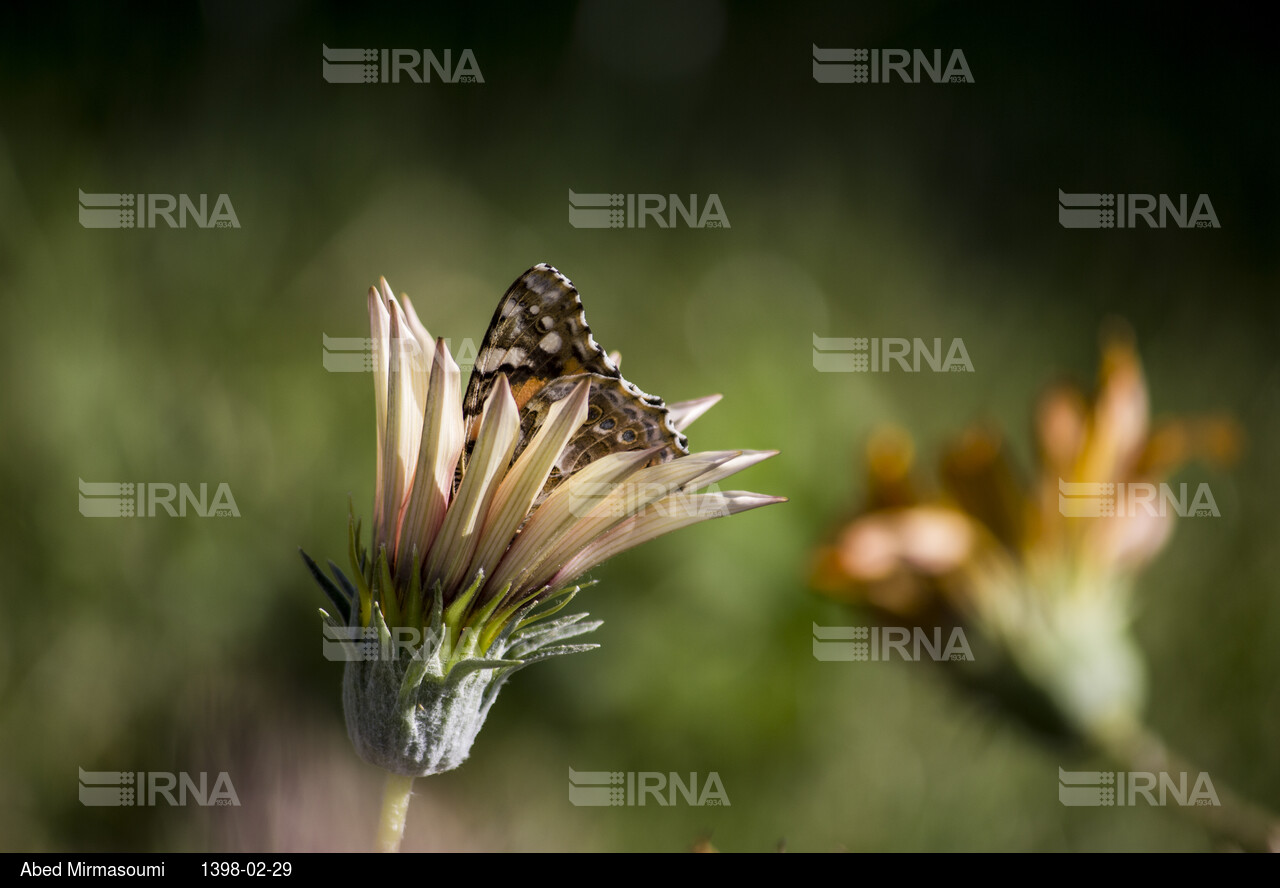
[(1235, 819), (395, 808)]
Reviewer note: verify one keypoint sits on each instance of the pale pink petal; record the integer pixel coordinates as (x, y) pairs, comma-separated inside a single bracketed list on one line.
[(404, 426), (627, 498), (868, 549), (744, 460), (379, 332), (540, 538), (935, 540), (460, 534), (441, 437), (419, 331), (650, 524), (683, 413), (525, 481)]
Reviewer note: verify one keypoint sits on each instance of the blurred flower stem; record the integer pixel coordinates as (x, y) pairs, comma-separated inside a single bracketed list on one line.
[(396, 793), (1234, 819)]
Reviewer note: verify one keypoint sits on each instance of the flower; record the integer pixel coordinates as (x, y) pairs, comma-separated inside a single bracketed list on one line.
[(1040, 569), (473, 550)]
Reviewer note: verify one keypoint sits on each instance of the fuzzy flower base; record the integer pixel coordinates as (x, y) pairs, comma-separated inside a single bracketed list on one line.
[(415, 701)]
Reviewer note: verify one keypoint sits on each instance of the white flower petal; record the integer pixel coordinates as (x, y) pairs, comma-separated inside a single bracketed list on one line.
[(557, 514), (441, 444), (419, 331), (460, 534), (683, 413), (379, 331), (744, 460), (525, 480), (415, 368), (404, 428), (653, 523), (624, 499)]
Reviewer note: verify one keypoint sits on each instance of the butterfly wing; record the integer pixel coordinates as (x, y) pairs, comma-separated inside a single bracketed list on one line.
[(617, 420), (538, 333), (540, 339)]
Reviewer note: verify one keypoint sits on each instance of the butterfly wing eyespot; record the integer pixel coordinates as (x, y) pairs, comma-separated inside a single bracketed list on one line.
[(616, 421), (540, 339)]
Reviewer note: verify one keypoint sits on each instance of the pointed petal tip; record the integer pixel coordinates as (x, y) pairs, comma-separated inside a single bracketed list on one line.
[(724, 463), (683, 413), (715, 461), (751, 457), (763, 499), (425, 339), (577, 399), (713, 455), (744, 500), (378, 314)]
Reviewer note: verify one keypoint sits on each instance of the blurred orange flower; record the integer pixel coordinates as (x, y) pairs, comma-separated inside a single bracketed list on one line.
[(1001, 553)]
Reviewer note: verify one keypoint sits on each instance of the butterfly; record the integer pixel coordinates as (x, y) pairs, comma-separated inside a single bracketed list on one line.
[(540, 339)]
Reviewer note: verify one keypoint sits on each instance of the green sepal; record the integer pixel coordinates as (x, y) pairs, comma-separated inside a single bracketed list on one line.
[(360, 567), (466, 667), (413, 608), (387, 589), (341, 601), (562, 599), (453, 616), (556, 630)]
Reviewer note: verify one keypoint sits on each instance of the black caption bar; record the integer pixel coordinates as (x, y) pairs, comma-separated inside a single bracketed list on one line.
[(164, 866)]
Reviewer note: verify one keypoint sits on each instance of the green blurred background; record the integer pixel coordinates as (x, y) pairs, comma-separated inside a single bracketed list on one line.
[(891, 210)]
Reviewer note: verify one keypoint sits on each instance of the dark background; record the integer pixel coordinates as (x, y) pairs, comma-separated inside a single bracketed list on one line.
[(885, 210)]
